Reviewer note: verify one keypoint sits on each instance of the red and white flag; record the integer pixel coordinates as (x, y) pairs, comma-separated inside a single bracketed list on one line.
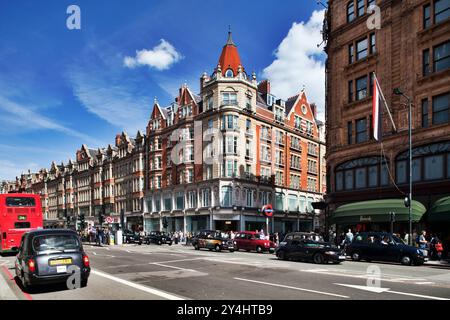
[(378, 101), (376, 110)]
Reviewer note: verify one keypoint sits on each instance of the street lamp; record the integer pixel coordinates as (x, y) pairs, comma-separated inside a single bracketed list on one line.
[(408, 200)]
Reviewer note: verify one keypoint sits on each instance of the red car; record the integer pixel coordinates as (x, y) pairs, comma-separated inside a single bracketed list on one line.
[(251, 240)]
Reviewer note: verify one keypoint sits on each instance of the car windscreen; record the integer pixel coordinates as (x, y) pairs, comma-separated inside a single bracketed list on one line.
[(398, 240), (20, 202), (56, 242)]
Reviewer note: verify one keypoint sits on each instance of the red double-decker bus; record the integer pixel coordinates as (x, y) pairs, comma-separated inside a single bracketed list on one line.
[(19, 213)]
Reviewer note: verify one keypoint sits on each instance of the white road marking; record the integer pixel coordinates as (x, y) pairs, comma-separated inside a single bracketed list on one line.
[(178, 268), (180, 260), (94, 253), (294, 288), (381, 290), (418, 295), (154, 291), (424, 282)]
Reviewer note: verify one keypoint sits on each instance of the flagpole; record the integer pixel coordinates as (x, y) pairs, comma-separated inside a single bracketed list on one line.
[(384, 100)]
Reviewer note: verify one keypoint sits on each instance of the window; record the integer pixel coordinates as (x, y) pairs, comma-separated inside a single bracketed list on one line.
[(426, 62), (20, 202), (441, 56), (296, 143), (248, 124), (361, 88), (370, 3), (426, 16), (360, 4), (373, 48), (279, 201), (361, 173), (192, 199), (157, 205), (229, 73), (180, 201), (350, 11), (249, 198), (229, 122), (361, 49), (209, 103), (292, 203), (168, 203), (229, 98), (190, 175), (350, 91), (361, 130), (349, 133), (351, 54), (441, 10), (227, 196), (206, 198), (441, 107), (429, 163), (425, 113)]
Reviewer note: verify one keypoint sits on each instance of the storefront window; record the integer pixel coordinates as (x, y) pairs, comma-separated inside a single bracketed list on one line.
[(416, 170), (361, 178), (168, 203), (292, 203), (349, 180), (157, 205), (373, 176), (279, 199), (434, 168), (180, 201), (302, 204), (401, 172)]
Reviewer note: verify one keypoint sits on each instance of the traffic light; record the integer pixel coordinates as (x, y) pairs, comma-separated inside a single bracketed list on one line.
[(82, 221), (407, 202)]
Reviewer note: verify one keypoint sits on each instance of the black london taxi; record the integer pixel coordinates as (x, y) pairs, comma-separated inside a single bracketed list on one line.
[(382, 246), (308, 247), (46, 256), (158, 237)]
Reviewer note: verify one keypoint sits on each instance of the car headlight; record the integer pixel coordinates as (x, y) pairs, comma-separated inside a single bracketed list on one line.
[(330, 252), (234, 242)]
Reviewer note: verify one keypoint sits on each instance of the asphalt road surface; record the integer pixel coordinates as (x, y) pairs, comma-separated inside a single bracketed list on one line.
[(133, 272)]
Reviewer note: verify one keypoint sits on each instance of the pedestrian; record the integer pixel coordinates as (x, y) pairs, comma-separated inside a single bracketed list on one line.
[(423, 243), (100, 237)]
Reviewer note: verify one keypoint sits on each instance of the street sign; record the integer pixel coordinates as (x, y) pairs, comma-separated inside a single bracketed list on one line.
[(267, 210), (109, 220)]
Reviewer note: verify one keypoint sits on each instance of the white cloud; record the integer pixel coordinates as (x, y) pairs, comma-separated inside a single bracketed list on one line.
[(112, 99), (24, 116), (161, 57), (298, 63), (10, 170)]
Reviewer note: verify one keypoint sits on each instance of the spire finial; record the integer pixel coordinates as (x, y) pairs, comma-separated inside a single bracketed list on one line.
[(155, 100), (230, 39)]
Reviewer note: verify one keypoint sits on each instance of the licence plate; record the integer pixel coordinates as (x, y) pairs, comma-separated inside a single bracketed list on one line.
[(60, 262), (61, 269), (342, 257)]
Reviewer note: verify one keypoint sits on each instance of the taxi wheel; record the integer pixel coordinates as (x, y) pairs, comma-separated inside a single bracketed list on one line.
[(318, 258), (159, 242), (281, 255), (84, 283), (196, 247), (217, 248), (355, 256), (406, 261)]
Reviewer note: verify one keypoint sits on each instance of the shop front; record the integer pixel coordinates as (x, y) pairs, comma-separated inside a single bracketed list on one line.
[(376, 215), (134, 223), (226, 222), (197, 223)]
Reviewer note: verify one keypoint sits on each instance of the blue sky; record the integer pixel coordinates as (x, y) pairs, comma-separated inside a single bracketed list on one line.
[(62, 88)]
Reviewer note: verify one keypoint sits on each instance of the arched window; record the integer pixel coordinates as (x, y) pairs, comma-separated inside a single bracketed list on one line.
[(430, 162), (229, 73), (350, 11), (362, 173)]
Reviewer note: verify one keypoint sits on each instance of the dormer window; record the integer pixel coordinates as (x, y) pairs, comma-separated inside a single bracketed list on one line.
[(229, 73)]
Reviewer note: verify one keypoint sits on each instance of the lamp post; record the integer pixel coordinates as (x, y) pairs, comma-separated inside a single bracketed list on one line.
[(408, 200)]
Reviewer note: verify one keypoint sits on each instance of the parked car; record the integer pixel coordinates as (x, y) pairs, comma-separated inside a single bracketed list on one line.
[(382, 246), (304, 247), (132, 237), (46, 255), (158, 237), (214, 241), (251, 240)]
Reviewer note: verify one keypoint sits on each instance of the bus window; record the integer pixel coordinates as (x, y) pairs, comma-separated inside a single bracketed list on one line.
[(20, 202), (22, 225)]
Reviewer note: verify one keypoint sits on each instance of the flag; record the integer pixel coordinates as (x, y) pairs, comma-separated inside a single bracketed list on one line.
[(377, 101)]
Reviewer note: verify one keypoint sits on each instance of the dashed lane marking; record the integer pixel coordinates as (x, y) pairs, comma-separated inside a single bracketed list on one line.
[(295, 288)]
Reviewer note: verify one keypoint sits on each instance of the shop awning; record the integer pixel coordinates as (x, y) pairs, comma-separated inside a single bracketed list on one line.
[(377, 211), (440, 211)]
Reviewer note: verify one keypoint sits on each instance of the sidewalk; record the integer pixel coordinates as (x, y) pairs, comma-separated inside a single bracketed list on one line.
[(5, 291), (438, 263)]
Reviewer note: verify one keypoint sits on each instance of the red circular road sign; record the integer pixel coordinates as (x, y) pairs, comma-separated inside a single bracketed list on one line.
[(109, 220), (267, 210)]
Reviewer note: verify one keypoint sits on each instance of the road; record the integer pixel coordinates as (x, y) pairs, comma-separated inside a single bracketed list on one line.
[(133, 272)]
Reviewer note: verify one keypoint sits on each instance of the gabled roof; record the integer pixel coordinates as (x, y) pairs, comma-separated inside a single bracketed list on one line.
[(290, 103)]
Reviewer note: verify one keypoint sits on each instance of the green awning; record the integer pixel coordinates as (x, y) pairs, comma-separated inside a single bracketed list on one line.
[(440, 211), (377, 211)]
